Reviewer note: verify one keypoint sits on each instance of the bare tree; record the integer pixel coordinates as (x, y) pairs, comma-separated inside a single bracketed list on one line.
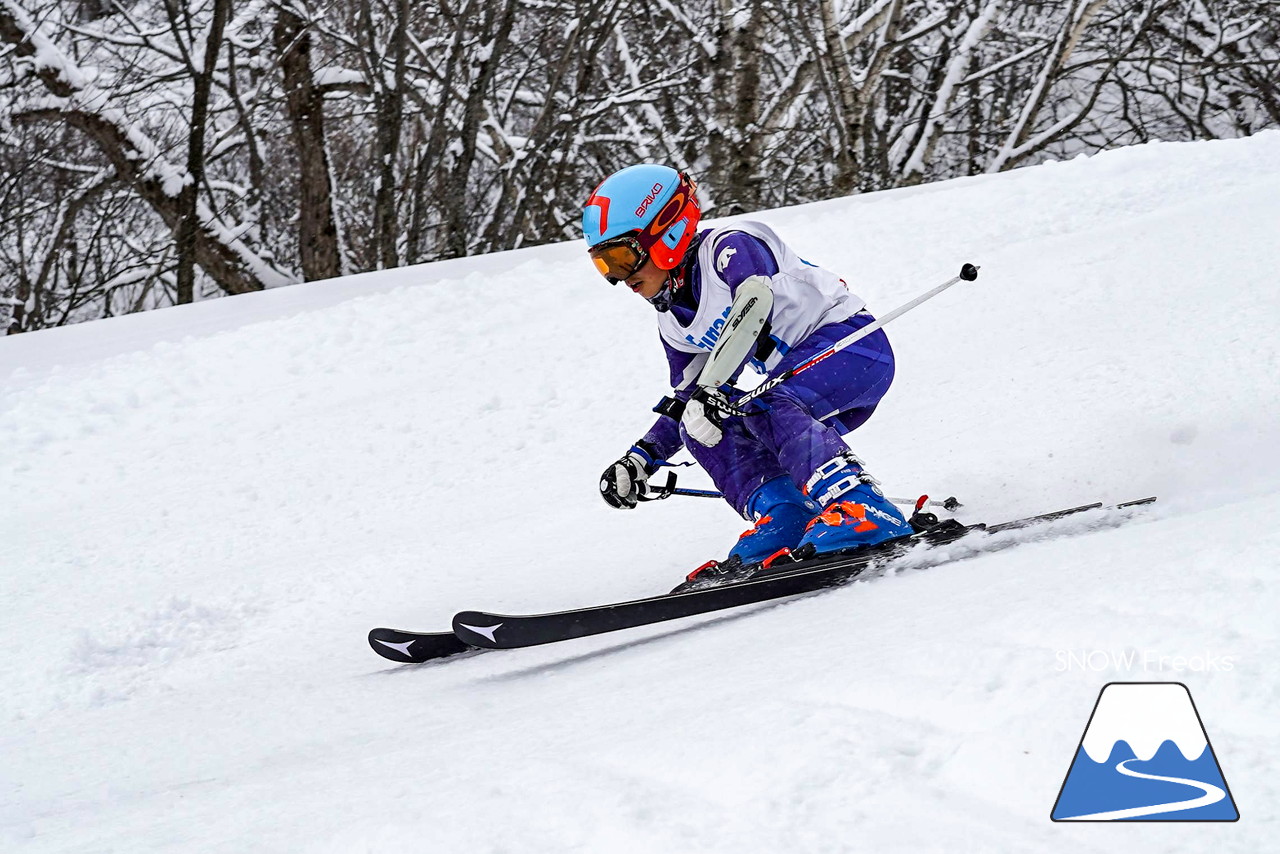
[(201, 70), (124, 145), (222, 148), (318, 250)]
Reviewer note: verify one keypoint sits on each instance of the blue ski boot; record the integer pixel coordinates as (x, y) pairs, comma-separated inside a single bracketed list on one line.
[(854, 514), (781, 513)]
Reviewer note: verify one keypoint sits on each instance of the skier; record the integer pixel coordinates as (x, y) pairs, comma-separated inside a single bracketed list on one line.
[(733, 297)]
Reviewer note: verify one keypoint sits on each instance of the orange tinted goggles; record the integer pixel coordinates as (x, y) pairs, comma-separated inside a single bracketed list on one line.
[(619, 258)]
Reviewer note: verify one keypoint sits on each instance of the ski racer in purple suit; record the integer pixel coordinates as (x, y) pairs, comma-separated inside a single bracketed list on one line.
[(733, 298)]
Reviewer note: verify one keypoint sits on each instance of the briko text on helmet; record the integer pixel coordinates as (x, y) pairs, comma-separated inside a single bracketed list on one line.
[(649, 199)]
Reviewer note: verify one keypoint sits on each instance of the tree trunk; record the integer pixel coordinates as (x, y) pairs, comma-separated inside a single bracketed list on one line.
[(735, 140), (388, 101), (189, 198), (457, 207), (845, 101), (318, 250)]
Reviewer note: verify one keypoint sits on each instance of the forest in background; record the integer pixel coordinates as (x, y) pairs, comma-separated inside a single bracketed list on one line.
[(164, 151)]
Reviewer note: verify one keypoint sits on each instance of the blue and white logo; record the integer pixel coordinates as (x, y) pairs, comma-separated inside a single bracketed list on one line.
[(1145, 756)]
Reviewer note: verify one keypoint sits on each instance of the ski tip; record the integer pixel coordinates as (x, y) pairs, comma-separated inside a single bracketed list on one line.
[(1137, 503), (415, 647), (478, 629), (390, 644)]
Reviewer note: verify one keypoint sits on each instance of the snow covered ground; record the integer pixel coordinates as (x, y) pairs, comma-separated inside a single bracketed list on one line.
[(206, 508)]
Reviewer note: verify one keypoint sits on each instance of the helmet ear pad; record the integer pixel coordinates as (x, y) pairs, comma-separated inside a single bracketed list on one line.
[(669, 235)]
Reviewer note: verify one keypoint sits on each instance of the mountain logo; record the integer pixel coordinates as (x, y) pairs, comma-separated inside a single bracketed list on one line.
[(1145, 756)]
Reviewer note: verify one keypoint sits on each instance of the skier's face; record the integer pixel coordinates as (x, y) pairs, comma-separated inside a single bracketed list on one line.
[(647, 281)]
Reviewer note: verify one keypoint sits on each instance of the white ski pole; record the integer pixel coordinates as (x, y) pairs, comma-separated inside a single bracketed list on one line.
[(967, 273)]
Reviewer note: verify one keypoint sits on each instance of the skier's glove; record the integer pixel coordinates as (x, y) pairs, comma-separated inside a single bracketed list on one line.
[(704, 416), (626, 482)]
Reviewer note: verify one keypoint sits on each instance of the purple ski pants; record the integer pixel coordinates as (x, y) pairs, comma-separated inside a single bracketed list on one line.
[(799, 425)]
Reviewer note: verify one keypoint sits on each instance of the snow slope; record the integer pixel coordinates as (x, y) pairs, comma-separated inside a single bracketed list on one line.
[(206, 508)]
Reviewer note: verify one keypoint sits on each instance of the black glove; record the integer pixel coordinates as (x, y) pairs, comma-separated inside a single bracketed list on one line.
[(626, 482)]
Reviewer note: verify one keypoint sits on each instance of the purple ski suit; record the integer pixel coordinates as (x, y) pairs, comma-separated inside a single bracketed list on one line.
[(800, 423)]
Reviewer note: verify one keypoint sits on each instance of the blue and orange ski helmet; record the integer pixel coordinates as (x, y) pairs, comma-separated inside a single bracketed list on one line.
[(641, 212)]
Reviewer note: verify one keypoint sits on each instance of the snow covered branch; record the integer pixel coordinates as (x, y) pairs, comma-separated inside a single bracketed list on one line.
[(308, 140)]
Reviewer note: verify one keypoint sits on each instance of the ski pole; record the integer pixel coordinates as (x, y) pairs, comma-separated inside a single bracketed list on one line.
[(947, 503), (968, 273)]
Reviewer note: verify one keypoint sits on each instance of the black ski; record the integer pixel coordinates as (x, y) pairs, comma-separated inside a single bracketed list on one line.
[(477, 630), (416, 647), (502, 631)]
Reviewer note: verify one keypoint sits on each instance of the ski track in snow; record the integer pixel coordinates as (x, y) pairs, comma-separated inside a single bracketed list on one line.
[(209, 506)]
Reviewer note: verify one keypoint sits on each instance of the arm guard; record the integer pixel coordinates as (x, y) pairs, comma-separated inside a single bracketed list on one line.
[(747, 318)]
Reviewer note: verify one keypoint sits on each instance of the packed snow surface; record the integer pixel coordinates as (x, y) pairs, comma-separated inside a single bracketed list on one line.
[(206, 509)]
